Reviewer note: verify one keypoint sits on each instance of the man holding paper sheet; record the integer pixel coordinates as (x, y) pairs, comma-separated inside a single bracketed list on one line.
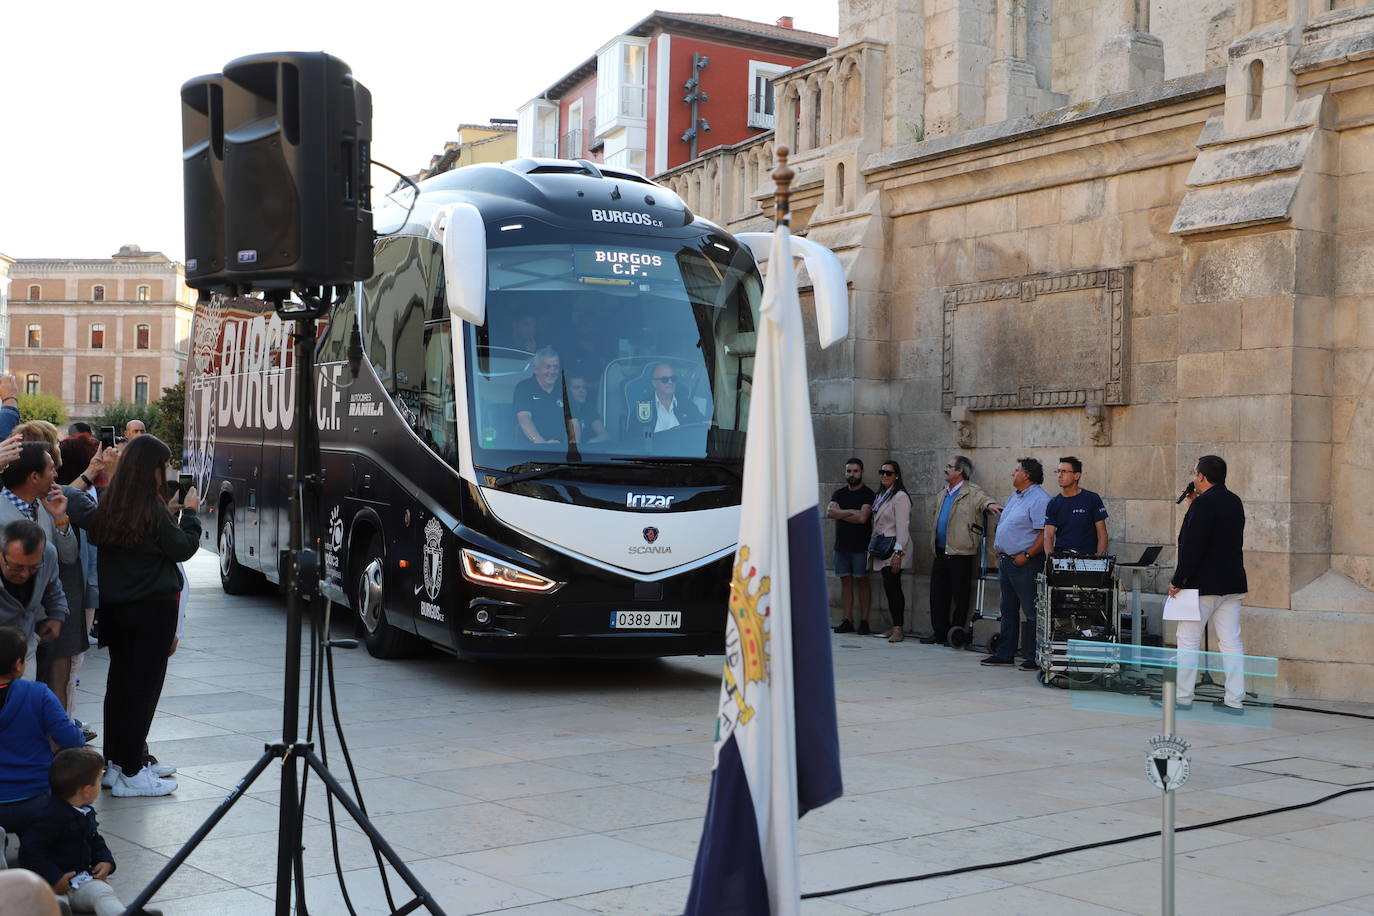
[(1210, 559)]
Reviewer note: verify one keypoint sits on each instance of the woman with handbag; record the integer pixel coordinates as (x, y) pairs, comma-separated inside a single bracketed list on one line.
[(891, 542), (141, 539)]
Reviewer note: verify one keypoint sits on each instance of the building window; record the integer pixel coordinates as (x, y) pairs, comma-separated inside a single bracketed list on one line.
[(35, 293), (140, 389), (35, 336), (144, 293), (1254, 96), (98, 293), (31, 383), (97, 337), (141, 335), (622, 87), (97, 389), (762, 103)]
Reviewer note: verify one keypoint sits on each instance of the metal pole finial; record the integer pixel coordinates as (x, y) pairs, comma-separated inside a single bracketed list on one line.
[(782, 193)]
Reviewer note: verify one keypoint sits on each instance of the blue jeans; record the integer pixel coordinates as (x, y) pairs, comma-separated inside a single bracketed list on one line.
[(1018, 606)]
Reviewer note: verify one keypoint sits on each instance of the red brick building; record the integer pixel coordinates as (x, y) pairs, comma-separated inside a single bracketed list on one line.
[(626, 105), (97, 331)]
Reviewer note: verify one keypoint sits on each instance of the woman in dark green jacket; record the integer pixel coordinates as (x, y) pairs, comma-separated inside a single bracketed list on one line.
[(140, 539)]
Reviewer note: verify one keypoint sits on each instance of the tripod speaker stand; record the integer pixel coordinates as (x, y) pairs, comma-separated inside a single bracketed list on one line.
[(303, 591)]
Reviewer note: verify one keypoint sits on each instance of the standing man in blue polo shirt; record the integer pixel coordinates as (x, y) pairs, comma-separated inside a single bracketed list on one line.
[(1020, 546), (1075, 520)]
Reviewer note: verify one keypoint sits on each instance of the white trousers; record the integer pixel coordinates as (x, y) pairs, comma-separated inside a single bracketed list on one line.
[(95, 897), (1224, 612)]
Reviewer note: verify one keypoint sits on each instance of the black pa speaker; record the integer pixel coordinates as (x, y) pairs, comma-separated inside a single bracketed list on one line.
[(297, 150), (202, 173)]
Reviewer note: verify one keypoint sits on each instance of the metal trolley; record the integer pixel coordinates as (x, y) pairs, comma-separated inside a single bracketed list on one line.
[(1076, 599)]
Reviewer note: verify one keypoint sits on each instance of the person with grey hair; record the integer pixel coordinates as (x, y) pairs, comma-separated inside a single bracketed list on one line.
[(956, 510), (31, 596), (538, 400)]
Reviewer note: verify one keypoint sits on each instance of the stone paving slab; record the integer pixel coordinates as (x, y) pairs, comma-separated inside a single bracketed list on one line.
[(563, 788)]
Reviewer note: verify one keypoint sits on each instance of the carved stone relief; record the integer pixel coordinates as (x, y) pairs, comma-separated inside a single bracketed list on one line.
[(1046, 340)]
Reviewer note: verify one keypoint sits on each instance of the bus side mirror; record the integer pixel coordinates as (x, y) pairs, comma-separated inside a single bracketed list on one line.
[(465, 261), (828, 284)]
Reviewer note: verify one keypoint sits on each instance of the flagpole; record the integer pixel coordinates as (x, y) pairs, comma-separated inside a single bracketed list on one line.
[(782, 194)]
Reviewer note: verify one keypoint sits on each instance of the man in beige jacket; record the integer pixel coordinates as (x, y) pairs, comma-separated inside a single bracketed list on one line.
[(958, 507)]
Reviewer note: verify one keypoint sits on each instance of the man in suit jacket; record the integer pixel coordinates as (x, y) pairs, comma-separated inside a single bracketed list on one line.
[(1210, 559), (664, 410)]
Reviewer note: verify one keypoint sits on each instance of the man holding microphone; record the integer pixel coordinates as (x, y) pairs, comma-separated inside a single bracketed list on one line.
[(1210, 559)]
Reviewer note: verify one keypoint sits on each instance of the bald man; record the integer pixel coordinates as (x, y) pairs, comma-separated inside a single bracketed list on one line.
[(133, 429), (23, 892)]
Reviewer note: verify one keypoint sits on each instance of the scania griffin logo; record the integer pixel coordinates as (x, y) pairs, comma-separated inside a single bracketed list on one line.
[(650, 534), (624, 216)]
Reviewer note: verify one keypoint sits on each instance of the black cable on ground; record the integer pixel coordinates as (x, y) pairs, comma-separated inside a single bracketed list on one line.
[(1325, 712), (965, 869)]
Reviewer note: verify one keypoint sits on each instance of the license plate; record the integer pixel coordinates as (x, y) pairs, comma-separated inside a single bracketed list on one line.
[(646, 620)]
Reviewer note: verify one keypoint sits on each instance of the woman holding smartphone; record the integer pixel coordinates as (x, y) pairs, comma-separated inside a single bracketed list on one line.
[(141, 539)]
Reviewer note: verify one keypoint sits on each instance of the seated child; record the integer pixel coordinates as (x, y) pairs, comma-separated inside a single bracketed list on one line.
[(29, 715), (62, 844)]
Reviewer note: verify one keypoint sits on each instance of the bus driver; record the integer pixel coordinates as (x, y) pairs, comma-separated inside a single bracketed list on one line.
[(538, 400)]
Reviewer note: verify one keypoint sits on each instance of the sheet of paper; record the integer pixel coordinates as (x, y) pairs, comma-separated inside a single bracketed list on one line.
[(1183, 606)]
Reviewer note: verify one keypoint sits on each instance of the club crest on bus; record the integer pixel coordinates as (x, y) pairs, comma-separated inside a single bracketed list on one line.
[(434, 558)]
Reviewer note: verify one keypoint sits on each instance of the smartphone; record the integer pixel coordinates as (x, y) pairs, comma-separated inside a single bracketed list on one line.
[(184, 484), (107, 437)]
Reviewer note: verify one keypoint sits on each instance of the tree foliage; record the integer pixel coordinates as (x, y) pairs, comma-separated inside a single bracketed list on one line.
[(120, 413), (171, 427), (42, 407)]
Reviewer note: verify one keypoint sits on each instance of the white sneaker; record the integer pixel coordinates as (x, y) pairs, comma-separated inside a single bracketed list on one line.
[(107, 781), (144, 784), (160, 770)]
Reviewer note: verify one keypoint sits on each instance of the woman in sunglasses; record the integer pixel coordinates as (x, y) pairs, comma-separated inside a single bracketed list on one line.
[(891, 526)]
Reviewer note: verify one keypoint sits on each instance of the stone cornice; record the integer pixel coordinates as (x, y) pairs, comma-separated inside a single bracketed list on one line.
[(1195, 86)]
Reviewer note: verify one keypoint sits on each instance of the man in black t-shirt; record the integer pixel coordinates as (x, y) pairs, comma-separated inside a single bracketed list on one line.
[(852, 509), (538, 401)]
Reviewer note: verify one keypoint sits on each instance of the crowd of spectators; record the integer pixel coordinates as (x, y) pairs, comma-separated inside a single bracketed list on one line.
[(90, 543)]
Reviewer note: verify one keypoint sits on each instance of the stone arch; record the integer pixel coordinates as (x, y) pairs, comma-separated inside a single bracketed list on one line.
[(813, 113), (788, 123), (839, 185), (742, 188), (850, 103)]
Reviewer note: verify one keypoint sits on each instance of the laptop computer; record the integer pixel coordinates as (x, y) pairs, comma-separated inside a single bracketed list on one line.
[(1147, 558)]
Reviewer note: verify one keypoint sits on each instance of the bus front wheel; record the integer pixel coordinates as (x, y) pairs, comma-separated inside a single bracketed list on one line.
[(234, 577), (369, 603)]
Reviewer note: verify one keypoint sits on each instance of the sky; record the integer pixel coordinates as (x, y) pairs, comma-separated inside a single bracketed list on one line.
[(90, 114)]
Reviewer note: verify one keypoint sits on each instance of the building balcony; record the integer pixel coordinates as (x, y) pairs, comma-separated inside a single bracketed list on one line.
[(570, 145), (761, 112)]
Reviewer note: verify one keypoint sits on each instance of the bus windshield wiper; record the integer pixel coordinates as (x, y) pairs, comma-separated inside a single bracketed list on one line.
[(536, 473), (734, 469)]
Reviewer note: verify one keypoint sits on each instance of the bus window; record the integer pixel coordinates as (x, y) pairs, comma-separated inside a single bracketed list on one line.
[(342, 324), (410, 350)]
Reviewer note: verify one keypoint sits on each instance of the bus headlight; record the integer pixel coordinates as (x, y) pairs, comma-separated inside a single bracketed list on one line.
[(480, 568)]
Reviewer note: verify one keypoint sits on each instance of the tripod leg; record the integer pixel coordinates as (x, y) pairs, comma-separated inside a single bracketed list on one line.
[(204, 830), (334, 788)]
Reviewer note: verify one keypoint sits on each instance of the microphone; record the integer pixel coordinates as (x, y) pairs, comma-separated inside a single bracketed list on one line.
[(1187, 491)]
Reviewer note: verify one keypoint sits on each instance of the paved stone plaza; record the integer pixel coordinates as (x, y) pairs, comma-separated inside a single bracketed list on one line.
[(549, 788)]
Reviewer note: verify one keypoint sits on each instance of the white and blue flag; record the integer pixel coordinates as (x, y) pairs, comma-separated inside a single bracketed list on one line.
[(777, 752)]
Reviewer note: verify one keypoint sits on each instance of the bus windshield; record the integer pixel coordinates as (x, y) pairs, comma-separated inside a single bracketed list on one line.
[(612, 347)]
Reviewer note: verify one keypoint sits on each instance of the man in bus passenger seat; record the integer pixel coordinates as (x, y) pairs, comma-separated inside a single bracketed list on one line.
[(589, 425), (664, 411), (538, 400)]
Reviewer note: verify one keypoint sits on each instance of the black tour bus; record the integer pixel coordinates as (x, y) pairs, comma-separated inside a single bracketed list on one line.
[(448, 523)]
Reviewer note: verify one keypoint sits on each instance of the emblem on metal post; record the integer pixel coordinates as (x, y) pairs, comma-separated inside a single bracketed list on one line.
[(1166, 763)]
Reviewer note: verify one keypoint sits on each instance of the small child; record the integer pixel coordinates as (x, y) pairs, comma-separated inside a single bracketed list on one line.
[(63, 845)]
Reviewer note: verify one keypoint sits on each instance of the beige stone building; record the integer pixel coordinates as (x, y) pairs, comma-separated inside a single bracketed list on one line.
[(1136, 232), (5, 262), (101, 330), (494, 142)]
